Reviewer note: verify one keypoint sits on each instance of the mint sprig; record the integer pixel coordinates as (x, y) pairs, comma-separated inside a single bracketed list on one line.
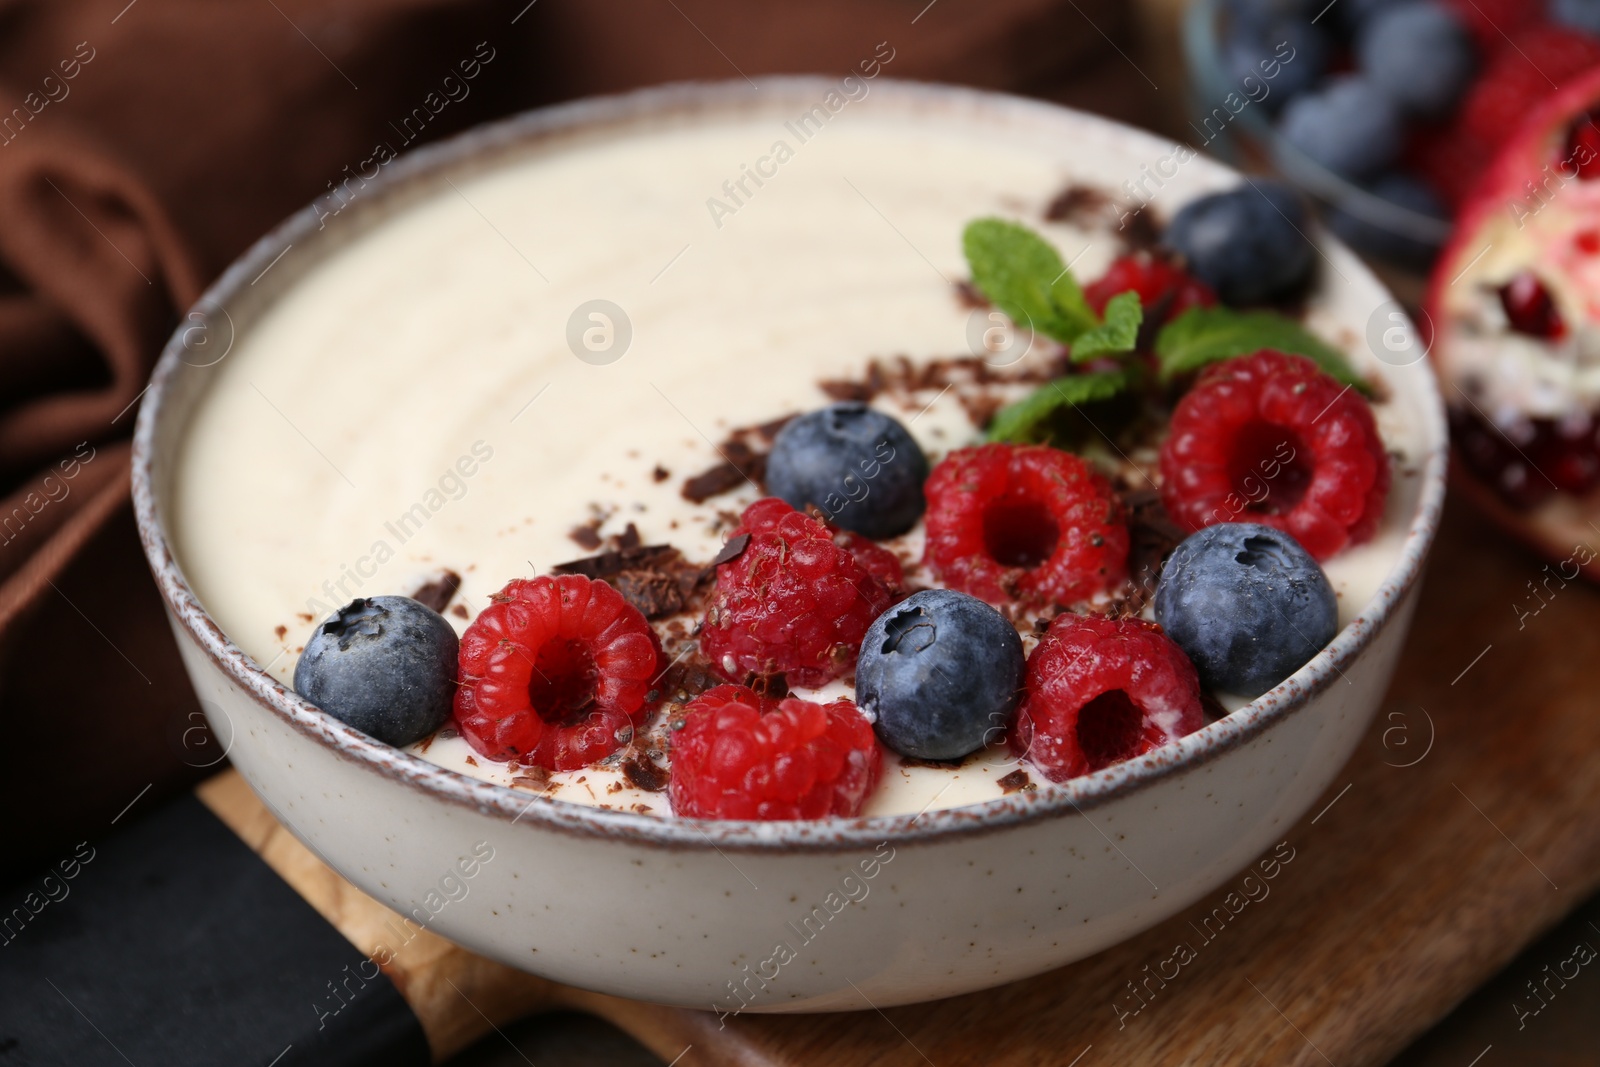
[(1027, 421), (1202, 336), (1117, 334), (1022, 274)]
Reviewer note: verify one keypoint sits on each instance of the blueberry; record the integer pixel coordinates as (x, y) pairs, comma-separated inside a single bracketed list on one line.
[(1349, 126), (385, 665), (1249, 244), (858, 465), (1392, 239), (941, 673), (1581, 15), (1264, 10), (1247, 604), (1293, 50), (1419, 54)]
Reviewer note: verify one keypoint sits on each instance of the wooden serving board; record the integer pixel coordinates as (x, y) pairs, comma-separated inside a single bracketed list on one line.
[(1463, 828)]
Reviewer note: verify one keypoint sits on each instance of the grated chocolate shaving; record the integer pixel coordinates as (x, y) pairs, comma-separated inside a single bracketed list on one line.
[(1143, 230), (968, 296), (438, 593), (845, 390), (645, 774), (654, 593), (615, 561), (731, 550), (722, 478), (587, 535), (1015, 782), (1077, 203), (656, 579)]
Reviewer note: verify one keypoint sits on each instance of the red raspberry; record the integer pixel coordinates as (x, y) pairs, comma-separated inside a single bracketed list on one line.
[(1024, 522), (1270, 438), (1098, 691), (876, 560), (1165, 290), (792, 603), (732, 760), (555, 672)]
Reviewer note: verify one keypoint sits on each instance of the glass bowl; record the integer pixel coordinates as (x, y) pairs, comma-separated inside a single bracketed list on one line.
[(1378, 228)]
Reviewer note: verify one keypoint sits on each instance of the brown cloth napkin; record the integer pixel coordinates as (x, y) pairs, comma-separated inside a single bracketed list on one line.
[(143, 145)]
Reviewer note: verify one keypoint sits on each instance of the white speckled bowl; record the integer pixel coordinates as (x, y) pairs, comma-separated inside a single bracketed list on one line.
[(881, 911)]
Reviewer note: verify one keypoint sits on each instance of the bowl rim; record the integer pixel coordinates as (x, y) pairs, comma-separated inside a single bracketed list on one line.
[(1075, 797)]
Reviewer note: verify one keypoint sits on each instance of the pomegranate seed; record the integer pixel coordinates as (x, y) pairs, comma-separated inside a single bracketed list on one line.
[(1530, 308), (1583, 146)]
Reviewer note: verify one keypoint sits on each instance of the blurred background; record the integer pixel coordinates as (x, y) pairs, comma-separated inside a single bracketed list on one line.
[(144, 145)]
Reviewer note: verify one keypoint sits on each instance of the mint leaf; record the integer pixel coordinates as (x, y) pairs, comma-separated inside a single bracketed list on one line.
[(1069, 301), (1026, 420), (1023, 275), (1208, 335), (1117, 334)]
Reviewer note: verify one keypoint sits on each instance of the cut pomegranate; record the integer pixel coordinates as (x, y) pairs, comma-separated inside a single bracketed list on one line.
[(1524, 413)]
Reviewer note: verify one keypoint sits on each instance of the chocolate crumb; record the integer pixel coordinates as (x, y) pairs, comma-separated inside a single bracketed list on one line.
[(471, 762), (460, 611), (642, 809), (654, 593), (722, 478), (438, 593), (1143, 230), (645, 774), (731, 550), (536, 778), (1015, 782), (587, 535), (656, 579), (1076, 203), (305, 617), (606, 564), (280, 632), (840, 390), (660, 474), (968, 296), (628, 538)]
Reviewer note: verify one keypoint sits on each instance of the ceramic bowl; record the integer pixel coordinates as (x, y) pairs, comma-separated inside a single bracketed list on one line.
[(806, 916)]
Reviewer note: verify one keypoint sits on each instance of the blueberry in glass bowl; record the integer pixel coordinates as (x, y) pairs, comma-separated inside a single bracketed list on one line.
[(1386, 112)]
